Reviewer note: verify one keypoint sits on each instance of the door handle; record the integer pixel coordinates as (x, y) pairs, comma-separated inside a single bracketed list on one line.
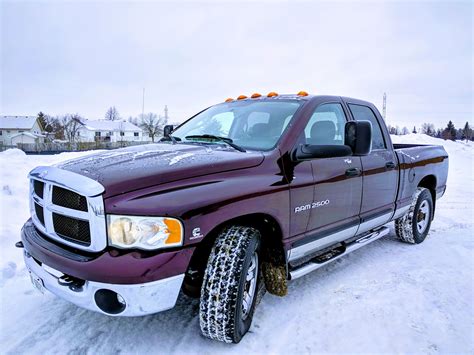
[(390, 165), (353, 172)]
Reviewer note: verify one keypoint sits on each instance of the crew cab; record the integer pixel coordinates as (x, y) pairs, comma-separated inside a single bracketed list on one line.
[(238, 200)]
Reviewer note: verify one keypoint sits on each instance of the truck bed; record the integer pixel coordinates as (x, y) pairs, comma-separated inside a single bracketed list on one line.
[(417, 161), (404, 146)]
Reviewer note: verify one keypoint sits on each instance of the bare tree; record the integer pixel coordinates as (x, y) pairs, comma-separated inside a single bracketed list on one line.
[(112, 114), (392, 130), (71, 125), (152, 124), (405, 131), (57, 127), (428, 128), (133, 120)]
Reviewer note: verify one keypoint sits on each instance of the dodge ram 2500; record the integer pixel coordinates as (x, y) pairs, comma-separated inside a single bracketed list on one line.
[(238, 200)]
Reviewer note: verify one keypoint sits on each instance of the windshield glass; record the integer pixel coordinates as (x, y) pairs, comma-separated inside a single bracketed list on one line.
[(254, 125)]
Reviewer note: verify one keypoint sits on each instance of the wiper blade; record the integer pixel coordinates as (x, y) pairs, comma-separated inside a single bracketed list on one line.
[(226, 140)]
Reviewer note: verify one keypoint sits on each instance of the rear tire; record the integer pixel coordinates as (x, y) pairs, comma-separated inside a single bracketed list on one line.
[(414, 226), (231, 285)]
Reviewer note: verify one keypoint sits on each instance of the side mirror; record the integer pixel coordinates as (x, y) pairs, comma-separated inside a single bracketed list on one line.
[(310, 151), (358, 136), (167, 130)]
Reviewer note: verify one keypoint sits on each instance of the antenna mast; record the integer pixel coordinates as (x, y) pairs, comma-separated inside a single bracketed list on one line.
[(384, 107), (143, 104)]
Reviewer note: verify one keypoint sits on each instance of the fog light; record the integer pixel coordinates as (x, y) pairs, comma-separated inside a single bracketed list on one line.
[(109, 301)]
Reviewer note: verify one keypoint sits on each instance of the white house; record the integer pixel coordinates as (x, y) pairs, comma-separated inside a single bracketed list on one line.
[(20, 129), (109, 131)]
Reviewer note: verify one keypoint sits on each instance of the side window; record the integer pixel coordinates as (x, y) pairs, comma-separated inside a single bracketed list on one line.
[(326, 125), (364, 113)]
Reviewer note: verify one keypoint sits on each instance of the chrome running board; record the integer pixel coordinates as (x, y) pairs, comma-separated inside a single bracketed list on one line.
[(356, 244)]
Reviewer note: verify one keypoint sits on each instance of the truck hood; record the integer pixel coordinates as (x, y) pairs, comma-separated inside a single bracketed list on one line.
[(127, 169)]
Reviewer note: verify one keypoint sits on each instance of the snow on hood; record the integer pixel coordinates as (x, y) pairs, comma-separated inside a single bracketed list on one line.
[(132, 168)]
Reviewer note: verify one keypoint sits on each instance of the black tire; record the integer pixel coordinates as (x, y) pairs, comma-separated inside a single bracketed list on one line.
[(222, 315), (408, 227)]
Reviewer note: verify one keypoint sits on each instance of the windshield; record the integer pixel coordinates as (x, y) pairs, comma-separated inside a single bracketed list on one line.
[(254, 125)]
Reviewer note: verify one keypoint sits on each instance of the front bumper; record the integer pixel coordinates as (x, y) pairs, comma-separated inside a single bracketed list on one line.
[(135, 299), (109, 266)]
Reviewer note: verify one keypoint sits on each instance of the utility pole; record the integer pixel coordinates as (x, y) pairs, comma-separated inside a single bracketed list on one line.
[(166, 113), (384, 107), (143, 104)]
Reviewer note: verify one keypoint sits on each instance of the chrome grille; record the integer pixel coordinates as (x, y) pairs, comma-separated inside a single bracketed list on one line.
[(69, 199), (39, 188), (68, 207), (73, 229), (39, 213)]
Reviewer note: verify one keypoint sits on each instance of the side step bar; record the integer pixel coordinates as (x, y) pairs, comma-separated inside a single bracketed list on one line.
[(356, 244)]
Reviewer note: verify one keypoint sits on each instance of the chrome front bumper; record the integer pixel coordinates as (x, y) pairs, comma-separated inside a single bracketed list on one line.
[(137, 299)]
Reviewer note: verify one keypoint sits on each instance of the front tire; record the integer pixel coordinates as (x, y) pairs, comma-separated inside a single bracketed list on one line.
[(231, 284), (414, 226)]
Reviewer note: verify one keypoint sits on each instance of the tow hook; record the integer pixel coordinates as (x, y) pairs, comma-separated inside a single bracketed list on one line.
[(73, 283), (19, 244)]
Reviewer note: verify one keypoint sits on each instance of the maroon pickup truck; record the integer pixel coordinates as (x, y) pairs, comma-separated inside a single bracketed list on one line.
[(238, 200)]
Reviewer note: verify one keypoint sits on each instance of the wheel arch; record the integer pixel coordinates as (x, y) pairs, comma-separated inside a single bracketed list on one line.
[(273, 252), (429, 182)]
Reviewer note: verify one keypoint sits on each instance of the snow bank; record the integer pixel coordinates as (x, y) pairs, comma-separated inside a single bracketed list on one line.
[(386, 297)]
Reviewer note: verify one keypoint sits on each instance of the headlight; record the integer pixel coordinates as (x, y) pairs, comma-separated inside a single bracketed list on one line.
[(144, 232)]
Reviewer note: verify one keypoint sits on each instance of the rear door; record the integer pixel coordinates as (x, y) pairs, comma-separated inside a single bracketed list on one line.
[(331, 207), (380, 171)]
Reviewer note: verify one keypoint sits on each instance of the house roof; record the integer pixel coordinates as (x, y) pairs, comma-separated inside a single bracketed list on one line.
[(17, 122), (106, 125), (28, 134)]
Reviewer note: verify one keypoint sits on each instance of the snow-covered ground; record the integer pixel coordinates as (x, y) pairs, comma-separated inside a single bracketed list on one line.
[(387, 297)]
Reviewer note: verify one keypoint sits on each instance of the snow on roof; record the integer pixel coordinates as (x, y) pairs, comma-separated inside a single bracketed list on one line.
[(106, 125), (17, 122)]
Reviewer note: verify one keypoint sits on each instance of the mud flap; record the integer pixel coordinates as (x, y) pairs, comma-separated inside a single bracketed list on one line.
[(275, 279)]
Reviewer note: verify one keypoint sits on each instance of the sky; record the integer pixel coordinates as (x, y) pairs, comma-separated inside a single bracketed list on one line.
[(83, 57)]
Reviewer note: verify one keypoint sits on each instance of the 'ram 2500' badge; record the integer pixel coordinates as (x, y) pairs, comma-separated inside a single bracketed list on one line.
[(311, 206)]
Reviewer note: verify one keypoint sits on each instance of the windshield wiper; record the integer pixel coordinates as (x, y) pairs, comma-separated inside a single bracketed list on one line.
[(226, 140), (169, 137), (173, 139)]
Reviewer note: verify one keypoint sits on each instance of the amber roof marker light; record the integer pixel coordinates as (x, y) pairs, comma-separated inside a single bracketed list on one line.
[(272, 94), (229, 99), (302, 93), (256, 95), (241, 97)]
